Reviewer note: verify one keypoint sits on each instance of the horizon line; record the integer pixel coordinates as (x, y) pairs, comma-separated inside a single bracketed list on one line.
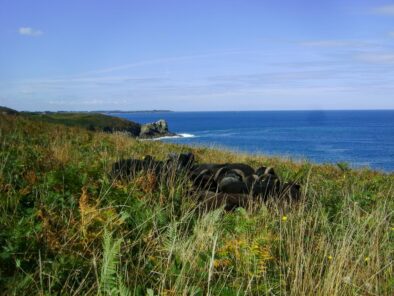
[(187, 111)]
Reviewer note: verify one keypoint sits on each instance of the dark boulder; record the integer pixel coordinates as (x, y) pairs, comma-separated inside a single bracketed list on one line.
[(212, 167), (230, 180), (265, 171), (290, 191), (209, 200), (232, 184), (246, 169), (228, 185), (204, 180), (218, 171), (266, 186), (129, 168), (175, 164), (261, 170), (181, 161), (202, 176)]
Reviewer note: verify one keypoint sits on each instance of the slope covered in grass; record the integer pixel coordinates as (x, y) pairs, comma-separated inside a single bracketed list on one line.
[(67, 228), (91, 121)]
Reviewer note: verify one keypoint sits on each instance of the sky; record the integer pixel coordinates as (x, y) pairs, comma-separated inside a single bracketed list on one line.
[(189, 55)]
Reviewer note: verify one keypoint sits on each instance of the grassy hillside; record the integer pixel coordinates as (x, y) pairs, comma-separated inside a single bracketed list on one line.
[(91, 121), (67, 228), (7, 111)]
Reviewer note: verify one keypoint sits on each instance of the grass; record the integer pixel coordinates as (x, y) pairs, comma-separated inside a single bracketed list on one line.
[(91, 121), (67, 228)]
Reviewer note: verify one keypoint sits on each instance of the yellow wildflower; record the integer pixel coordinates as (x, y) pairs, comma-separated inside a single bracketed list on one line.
[(284, 218)]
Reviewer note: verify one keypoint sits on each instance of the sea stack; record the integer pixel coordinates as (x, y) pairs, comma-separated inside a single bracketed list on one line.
[(155, 129)]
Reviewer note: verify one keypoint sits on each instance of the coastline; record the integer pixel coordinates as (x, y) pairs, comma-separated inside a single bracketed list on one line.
[(356, 137)]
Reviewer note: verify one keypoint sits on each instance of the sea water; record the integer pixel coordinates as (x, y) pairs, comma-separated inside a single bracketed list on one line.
[(360, 138)]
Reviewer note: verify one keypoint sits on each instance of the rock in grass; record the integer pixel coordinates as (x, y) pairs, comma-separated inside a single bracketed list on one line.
[(230, 183), (209, 200)]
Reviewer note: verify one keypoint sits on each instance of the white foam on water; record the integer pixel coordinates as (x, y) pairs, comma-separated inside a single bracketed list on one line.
[(187, 136), (177, 136)]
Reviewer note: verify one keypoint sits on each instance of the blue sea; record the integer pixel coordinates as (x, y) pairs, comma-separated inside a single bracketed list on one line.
[(360, 138)]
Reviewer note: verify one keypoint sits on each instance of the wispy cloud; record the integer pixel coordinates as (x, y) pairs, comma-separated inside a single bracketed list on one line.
[(341, 71), (385, 10), (391, 34), (84, 102), (168, 60), (336, 43), (97, 80), (381, 58), (27, 31)]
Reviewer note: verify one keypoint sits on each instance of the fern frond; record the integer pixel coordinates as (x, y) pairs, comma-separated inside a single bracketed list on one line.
[(111, 251)]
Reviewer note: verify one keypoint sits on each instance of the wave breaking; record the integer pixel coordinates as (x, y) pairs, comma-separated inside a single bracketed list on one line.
[(177, 136)]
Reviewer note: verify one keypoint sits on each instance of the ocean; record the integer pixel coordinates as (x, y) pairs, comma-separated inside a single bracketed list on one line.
[(359, 138)]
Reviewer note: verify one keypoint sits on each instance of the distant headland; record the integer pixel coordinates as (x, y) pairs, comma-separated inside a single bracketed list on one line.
[(132, 111), (99, 121)]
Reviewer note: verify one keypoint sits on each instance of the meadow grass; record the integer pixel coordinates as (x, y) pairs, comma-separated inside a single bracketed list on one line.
[(68, 228)]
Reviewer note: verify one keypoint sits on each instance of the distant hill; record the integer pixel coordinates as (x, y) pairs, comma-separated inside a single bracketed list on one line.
[(90, 121), (9, 111), (96, 121), (135, 111)]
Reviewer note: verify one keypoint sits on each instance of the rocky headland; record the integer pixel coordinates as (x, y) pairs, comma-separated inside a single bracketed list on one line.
[(98, 122)]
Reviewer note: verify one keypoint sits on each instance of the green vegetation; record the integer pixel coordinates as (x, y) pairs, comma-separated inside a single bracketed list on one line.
[(6, 110), (67, 228), (91, 121)]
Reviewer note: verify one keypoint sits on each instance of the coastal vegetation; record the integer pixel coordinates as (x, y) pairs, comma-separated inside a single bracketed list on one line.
[(95, 121), (91, 121), (68, 228)]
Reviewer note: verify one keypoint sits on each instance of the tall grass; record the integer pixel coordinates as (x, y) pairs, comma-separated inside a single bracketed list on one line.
[(67, 227)]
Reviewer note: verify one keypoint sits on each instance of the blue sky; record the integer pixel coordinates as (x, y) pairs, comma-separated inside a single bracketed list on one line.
[(196, 55)]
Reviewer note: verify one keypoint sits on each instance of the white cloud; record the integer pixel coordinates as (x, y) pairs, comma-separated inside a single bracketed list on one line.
[(385, 10), (391, 34), (27, 31)]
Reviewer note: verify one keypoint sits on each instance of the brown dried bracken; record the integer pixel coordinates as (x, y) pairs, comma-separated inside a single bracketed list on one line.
[(147, 182)]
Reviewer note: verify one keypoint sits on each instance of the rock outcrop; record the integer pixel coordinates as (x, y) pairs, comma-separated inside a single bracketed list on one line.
[(231, 184), (155, 129)]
